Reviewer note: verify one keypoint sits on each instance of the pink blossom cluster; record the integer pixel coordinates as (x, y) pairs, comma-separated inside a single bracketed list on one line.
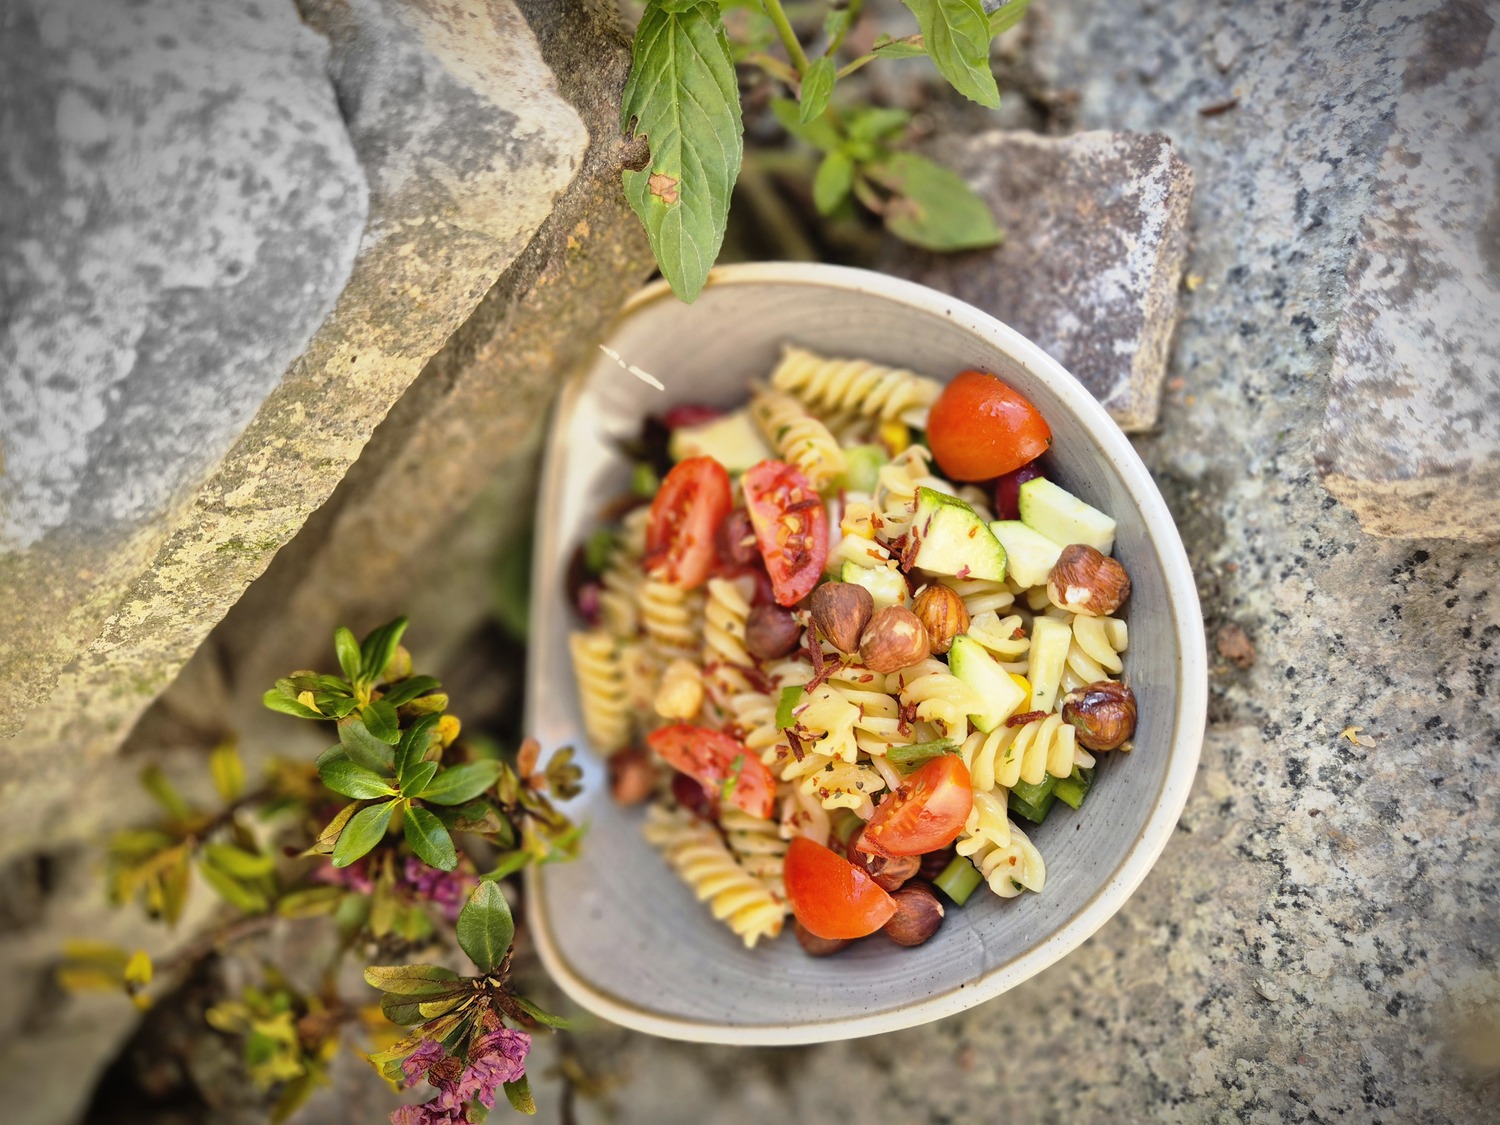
[(497, 1058)]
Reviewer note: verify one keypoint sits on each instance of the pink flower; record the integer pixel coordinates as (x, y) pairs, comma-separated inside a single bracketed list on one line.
[(497, 1058)]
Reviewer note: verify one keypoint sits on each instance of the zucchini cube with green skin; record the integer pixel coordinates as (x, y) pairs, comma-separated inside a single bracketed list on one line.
[(733, 441), (1029, 555), (969, 661), (950, 538), (862, 464), (1063, 518), (887, 585)]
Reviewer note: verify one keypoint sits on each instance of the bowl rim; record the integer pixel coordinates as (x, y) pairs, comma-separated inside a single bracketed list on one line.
[(1188, 722)]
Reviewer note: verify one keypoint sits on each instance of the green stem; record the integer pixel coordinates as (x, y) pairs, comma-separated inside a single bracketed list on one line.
[(774, 67), (857, 64), (854, 10), (788, 36)]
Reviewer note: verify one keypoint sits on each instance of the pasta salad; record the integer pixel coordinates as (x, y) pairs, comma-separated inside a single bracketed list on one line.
[(843, 640)]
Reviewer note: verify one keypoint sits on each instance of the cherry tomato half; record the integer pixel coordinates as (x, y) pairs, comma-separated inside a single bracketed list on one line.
[(791, 527), (687, 511), (925, 814), (981, 427), (830, 896), (713, 758)]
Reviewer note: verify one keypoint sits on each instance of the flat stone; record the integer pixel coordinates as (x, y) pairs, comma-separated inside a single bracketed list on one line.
[(1411, 441), (1095, 238), (215, 445)]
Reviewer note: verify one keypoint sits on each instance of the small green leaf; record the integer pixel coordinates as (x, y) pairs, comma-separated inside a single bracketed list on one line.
[(832, 184), (379, 647), (409, 688), (817, 88), (155, 782), (380, 720), (518, 1093), (429, 839), (1006, 16), (956, 34), (347, 647), (476, 816), (459, 784), (934, 208), (277, 700), (402, 1010), (417, 778), (228, 771), (415, 742), (238, 862), (364, 830), (364, 748), (327, 838), (353, 780), (309, 902), (684, 98), (232, 891), (876, 123), (888, 48), (485, 927), (819, 133), (413, 980), (546, 1019)]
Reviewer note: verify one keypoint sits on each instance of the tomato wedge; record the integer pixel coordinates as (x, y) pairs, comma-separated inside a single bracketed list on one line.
[(687, 511), (791, 527), (715, 760), (925, 814), (830, 896), (981, 427)]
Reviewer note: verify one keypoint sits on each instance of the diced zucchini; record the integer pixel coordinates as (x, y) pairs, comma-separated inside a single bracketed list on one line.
[(1050, 638), (1072, 790), (732, 440), (1033, 810), (887, 585), (959, 880), (1002, 696), (1063, 518), (1029, 555), (952, 539), (862, 467)]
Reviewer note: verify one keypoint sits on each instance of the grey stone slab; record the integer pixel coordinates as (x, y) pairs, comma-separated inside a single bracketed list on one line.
[(1095, 236), (182, 208), (1411, 440), (456, 124)]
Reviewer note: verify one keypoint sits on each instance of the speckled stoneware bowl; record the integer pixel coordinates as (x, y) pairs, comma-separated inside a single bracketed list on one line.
[(617, 930)]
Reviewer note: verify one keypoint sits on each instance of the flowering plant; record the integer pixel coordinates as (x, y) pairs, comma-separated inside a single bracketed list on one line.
[(409, 862)]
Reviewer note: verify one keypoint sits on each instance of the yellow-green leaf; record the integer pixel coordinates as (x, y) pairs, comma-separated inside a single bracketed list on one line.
[(956, 34), (228, 770)]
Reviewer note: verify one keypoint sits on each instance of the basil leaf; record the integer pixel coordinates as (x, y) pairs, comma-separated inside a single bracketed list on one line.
[(1006, 16), (832, 184), (817, 88), (956, 34), (684, 99)]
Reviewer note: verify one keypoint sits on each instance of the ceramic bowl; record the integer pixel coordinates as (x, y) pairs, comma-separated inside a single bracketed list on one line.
[(618, 931)]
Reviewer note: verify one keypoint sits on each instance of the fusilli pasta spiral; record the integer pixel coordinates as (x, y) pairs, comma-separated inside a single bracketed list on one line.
[(855, 385), (601, 690), (695, 851), (940, 696), (797, 436)]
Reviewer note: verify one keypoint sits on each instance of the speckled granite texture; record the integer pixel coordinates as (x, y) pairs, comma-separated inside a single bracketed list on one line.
[(1327, 914)]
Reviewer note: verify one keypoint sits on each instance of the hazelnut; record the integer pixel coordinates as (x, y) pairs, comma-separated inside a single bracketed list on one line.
[(935, 863), (814, 945), (771, 632), (1103, 713), (735, 539), (918, 915), (888, 872), (942, 614), (893, 640), (840, 612), (1084, 581), (632, 776)]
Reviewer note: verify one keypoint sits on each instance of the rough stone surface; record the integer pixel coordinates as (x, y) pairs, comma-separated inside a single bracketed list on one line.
[(1095, 236), (1412, 437), (478, 146), (1356, 884)]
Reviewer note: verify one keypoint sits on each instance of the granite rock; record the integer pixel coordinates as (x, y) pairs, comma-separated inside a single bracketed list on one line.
[(457, 125), (1095, 236), (1411, 441)]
